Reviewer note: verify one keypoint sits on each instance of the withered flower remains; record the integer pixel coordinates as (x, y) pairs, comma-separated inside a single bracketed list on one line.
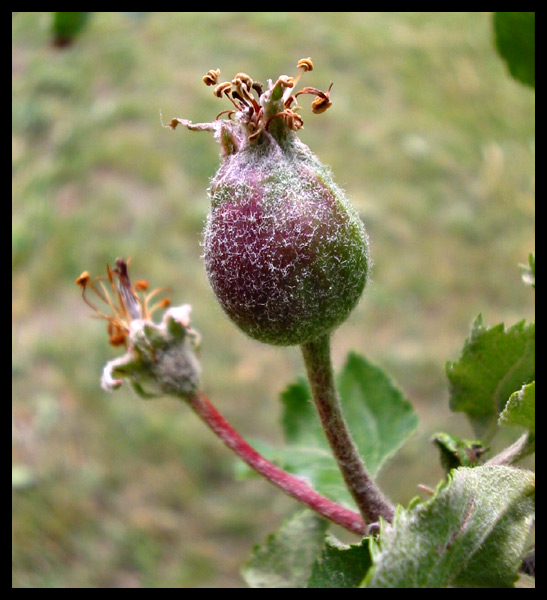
[(160, 358)]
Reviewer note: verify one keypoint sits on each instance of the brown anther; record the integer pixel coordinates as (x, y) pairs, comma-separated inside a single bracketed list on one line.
[(141, 285), (226, 86), (117, 340), (286, 81), (321, 102), (305, 63), (242, 86), (122, 299), (320, 105), (83, 279), (242, 78), (211, 77), (116, 335)]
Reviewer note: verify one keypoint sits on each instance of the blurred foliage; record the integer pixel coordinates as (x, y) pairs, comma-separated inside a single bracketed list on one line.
[(516, 43), (67, 25), (429, 137)]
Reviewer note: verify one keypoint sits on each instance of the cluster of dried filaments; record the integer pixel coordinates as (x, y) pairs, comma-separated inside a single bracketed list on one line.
[(249, 100), (126, 301)]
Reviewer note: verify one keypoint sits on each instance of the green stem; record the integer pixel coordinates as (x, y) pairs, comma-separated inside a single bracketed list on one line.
[(369, 498)]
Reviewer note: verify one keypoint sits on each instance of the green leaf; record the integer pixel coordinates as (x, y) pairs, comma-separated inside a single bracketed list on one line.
[(380, 418), (299, 419), (307, 453), (378, 415), (286, 558), (472, 532), (515, 37), (520, 410), (340, 565), (456, 452), (494, 363)]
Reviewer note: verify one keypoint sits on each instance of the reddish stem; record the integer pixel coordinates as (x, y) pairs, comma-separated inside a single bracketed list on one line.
[(290, 484)]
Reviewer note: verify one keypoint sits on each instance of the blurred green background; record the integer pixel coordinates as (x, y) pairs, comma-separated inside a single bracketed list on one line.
[(429, 136)]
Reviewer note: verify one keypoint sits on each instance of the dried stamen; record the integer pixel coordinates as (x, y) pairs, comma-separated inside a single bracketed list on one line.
[(257, 87), (286, 81), (211, 77), (222, 88), (121, 298), (305, 63), (141, 285), (255, 131), (321, 102), (228, 111), (83, 279), (292, 119), (242, 78), (250, 102)]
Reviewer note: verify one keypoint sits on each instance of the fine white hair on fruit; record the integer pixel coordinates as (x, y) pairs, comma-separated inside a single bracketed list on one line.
[(285, 252)]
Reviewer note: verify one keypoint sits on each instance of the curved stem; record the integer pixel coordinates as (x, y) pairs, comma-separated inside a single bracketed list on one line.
[(368, 497), (524, 446), (292, 485)]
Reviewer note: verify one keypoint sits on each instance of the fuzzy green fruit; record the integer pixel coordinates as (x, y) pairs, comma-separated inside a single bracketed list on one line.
[(285, 252)]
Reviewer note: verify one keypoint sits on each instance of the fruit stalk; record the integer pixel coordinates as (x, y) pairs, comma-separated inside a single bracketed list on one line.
[(369, 499), (290, 484)]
